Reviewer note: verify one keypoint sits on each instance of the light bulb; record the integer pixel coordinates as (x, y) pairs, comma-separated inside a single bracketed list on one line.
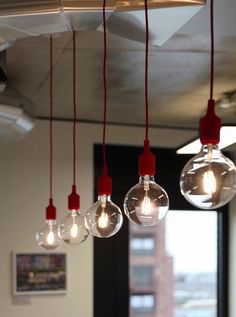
[(48, 237), (146, 203), (72, 228), (104, 219), (208, 180)]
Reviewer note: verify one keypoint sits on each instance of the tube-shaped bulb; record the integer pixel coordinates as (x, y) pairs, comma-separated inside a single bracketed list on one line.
[(72, 228), (208, 180), (104, 219), (47, 237), (146, 203)]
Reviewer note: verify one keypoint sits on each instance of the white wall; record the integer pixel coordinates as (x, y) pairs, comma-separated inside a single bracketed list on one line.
[(24, 195)]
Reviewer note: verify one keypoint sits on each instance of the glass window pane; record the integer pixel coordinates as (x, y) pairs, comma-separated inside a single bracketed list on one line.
[(173, 266), (142, 244)]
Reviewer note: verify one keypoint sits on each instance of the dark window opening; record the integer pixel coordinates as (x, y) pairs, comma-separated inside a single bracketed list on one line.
[(127, 283)]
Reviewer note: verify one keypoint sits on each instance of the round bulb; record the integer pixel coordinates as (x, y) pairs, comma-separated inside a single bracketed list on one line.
[(48, 237), (146, 203), (208, 180), (104, 219), (72, 228)]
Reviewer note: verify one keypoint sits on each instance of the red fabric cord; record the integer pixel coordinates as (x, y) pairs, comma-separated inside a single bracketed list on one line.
[(51, 117), (146, 69), (104, 181), (105, 84), (74, 108), (212, 49)]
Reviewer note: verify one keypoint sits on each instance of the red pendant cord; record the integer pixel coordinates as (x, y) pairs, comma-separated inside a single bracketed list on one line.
[(74, 108), (212, 49), (146, 69), (51, 116), (104, 181), (51, 210), (210, 124), (105, 84), (147, 163), (73, 198)]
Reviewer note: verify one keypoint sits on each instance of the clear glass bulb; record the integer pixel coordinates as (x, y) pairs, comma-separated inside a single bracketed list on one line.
[(208, 180), (104, 219), (48, 237), (72, 228), (146, 203)]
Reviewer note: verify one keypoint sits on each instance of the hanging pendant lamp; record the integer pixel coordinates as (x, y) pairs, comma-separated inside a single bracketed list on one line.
[(72, 227), (104, 218), (147, 202), (208, 180), (47, 237)]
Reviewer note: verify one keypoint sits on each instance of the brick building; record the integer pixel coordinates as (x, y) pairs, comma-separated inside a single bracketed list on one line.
[(151, 273)]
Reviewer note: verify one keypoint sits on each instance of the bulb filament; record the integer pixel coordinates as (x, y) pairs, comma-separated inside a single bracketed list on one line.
[(209, 182), (74, 230), (103, 220), (50, 238), (146, 208)]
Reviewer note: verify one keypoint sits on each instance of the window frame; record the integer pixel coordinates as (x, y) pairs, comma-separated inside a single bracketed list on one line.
[(112, 255)]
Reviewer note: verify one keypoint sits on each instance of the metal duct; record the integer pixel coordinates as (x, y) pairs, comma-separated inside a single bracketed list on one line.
[(16, 121), (16, 7), (20, 19)]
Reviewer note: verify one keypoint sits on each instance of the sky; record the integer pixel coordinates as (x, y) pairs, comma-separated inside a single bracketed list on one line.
[(191, 238)]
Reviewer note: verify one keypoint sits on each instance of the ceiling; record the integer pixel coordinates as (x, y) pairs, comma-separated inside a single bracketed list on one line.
[(178, 79)]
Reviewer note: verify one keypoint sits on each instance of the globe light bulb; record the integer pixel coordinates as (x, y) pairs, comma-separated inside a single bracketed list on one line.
[(104, 219), (47, 237), (146, 203), (72, 228), (208, 180)]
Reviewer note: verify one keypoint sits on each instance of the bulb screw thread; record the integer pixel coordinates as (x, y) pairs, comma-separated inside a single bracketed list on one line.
[(73, 199), (210, 125)]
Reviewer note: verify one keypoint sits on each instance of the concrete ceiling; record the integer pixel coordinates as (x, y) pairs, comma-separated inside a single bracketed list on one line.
[(178, 80)]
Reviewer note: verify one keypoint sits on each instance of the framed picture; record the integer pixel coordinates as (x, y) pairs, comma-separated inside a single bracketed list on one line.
[(39, 273)]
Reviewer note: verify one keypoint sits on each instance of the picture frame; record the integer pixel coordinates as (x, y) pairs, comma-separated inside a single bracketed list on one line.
[(39, 273)]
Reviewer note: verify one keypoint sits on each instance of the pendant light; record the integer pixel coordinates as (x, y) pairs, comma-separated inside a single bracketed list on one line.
[(47, 237), (104, 219), (147, 202), (208, 180), (72, 227)]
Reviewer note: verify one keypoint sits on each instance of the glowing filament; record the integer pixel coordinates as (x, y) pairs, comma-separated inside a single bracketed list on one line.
[(209, 182), (50, 238), (74, 230), (103, 220), (146, 208)]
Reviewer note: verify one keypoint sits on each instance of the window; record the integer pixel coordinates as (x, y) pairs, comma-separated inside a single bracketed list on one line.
[(186, 254), (142, 304), (185, 282), (142, 245), (141, 276)]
